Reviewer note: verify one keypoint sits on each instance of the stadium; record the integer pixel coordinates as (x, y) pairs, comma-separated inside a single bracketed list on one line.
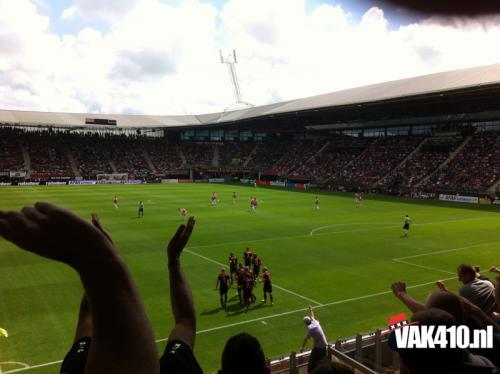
[(427, 147), (355, 231)]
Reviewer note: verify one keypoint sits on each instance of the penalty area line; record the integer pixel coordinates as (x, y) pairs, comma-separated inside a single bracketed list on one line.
[(445, 251)]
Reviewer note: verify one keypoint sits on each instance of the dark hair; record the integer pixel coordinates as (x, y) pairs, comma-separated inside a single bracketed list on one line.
[(243, 354), (467, 270), (449, 302)]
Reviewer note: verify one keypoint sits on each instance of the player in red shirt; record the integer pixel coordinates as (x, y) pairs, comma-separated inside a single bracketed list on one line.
[(247, 257), (253, 204), (256, 262), (235, 197), (213, 199), (248, 296), (268, 287), (233, 266), (240, 277), (115, 202), (223, 286)]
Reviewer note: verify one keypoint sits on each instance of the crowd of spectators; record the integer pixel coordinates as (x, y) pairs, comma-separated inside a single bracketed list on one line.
[(424, 162), (91, 154), (165, 157), (382, 156), (128, 155), (11, 158), (234, 154), (48, 155), (339, 153), (355, 161), (269, 154), (198, 155), (475, 167)]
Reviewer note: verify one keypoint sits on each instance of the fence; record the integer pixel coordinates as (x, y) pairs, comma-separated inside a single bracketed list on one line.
[(364, 353)]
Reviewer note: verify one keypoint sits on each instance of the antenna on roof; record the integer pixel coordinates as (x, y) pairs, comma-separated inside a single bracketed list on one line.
[(230, 59)]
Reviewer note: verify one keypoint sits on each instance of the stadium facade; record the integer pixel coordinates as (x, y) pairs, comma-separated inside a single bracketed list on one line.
[(421, 136)]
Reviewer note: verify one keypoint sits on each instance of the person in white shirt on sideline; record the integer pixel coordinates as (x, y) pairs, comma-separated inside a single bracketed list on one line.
[(314, 331)]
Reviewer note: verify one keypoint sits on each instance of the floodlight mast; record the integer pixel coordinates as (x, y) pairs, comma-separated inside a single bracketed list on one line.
[(230, 60)]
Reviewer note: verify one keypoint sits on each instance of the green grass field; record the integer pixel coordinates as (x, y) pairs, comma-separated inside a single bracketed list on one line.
[(344, 268)]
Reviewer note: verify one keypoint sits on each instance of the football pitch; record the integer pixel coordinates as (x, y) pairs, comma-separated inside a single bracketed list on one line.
[(339, 259)]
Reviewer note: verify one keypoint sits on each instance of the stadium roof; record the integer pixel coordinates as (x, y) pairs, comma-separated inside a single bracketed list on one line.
[(404, 88)]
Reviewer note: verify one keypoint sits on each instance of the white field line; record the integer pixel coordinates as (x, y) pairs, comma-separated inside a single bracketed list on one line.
[(33, 367), (305, 309), (253, 320), (326, 233), (445, 250), (422, 266), (351, 224), (274, 285), (387, 223), (401, 259)]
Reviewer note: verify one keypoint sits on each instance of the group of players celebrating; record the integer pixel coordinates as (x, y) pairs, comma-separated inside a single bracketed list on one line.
[(246, 275)]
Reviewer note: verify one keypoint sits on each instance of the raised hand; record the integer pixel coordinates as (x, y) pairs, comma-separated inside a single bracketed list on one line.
[(179, 240), (398, 288), (56, 233), (440, 284), (493, 269)]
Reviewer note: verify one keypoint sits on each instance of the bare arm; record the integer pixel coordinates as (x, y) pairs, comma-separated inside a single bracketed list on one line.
[(181, 298), (304, 343), (477, 313), (116, 309), (311, 313), (399, 290)]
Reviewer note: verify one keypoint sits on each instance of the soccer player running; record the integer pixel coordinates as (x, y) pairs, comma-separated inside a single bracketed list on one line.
[(223, 286), (235, 197), (316, 203), (233, 266), (141, 209), (115, 202), (406, 226), (268, 287)]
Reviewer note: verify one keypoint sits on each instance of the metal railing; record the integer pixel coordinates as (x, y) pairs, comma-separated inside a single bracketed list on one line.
[(364, 353)]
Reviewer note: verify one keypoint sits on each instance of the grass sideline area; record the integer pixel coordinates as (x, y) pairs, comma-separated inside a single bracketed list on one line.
[(339, 259)]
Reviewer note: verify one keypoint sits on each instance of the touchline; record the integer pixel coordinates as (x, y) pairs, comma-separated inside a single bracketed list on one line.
[(416, 336)]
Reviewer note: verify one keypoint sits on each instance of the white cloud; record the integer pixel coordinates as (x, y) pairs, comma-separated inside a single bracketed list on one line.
[(163, 59), (70, 12), (108, 10)]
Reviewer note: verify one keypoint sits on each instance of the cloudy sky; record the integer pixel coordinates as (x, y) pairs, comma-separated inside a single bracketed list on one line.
[(162, 56)]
